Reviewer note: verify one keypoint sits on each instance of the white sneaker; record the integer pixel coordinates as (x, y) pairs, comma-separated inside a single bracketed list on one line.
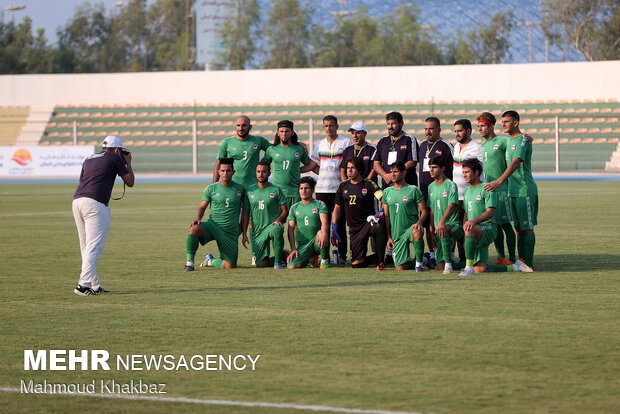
[(468, 271), (523, 267), (447, 270), (206, 262)]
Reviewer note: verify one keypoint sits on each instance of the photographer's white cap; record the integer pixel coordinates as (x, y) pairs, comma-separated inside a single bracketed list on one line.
[(112, 141), (358, 126)]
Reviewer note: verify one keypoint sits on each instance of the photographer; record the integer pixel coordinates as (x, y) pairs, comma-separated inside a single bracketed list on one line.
[(90, 207)]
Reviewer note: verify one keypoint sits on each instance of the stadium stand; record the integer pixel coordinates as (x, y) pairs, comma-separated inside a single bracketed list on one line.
[(12, 120), (162, 134)]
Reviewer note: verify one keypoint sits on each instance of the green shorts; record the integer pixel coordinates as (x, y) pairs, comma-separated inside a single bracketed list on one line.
[(401, 252), (503, 210), (260, 241), (227, 244), (306, 251), (457, 233), (525, 212), (489, 234)]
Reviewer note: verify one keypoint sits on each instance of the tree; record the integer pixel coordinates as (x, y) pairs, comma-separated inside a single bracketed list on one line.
[(489, 44), (288, 35), (130, 27), (21, 52), (239, 32), (592, 27), (169, 38)]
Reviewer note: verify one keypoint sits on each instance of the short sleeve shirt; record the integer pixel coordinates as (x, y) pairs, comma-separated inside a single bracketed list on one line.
[(307, 218), (440, 196), (406, 149), (358, 200), (402, 208), (439, 148), (246, 153), (329, 156), (264, 205), (366, 154), (521, 183), (225, 204), (473, 149), (98, 174), (494, 159), (286, 163), (476, 201)]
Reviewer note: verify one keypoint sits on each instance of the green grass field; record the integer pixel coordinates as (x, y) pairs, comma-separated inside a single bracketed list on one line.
[(547, 342)]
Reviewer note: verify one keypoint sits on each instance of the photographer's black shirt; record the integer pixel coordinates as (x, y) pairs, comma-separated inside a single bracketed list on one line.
[(98, 174)]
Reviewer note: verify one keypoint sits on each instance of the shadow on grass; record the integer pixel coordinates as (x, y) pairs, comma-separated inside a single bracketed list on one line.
[(304, 286), (576, 262)]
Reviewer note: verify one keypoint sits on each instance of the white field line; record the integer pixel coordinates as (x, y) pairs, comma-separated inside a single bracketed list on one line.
[(115, 212), (317, 408)]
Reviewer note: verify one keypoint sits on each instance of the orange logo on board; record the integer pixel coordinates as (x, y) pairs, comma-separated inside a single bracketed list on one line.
[(22, 156)]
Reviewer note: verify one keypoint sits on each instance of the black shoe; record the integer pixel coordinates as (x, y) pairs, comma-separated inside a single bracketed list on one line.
[(389, 261), (100, 290), (83, 291), (188, 268)]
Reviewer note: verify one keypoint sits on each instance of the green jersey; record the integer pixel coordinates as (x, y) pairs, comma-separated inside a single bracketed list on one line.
[(521, 183), (494, 159), (307, 218), (226, 203), (285, 166), (440, 197), (264, 206), (476, 200), (402, 208), (246, 154)]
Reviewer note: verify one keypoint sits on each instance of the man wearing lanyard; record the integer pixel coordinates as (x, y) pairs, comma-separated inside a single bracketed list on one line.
[(396, 146), (328, 154), (360, 149), (434, 146)]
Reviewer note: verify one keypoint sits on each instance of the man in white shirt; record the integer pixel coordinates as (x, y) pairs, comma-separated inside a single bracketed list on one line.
[(328, 154), (465, 148)]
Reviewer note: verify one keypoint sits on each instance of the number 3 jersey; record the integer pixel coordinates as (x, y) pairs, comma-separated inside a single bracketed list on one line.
[(307, 218), (402, 207), (225, 204), (358, 201)]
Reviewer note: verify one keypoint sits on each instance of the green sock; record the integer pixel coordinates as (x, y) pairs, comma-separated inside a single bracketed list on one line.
[(529, 242), (521, 244), (278, 247), (216, 263), (325, 253), (191, 246), (470, 249), (511, 240), (446, 247), (499, 244), (418, 248)]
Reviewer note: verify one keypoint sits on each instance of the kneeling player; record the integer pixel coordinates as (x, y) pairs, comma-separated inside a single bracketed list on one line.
[(406, 213), (268, 212), (308, 225), (443, 201), (357, 196), (480, 228), (227, 199)]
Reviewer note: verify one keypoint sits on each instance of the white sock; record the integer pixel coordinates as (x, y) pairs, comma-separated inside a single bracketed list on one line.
[(433, 255), (189, 263), (448, 266), (324, 261), (516, 268), (418, 264)]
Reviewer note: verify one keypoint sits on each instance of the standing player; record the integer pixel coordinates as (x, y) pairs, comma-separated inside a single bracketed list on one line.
[(480, 228), (522, 188), (465, 148), (494, 164), (406, 213), (308, 225), (360, 149), (443, 202), (328, 154), (244, 149), (268, 212), (357, 197), (227, 200), (396, 146), (288, 160)]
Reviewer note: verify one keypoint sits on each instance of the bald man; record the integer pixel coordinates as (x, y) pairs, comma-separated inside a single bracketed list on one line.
[(244, 149)]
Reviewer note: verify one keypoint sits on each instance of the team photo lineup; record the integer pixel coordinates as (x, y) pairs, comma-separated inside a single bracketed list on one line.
[(449, 202)]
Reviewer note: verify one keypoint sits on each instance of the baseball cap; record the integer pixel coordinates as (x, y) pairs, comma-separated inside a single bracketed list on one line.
[(112, 141), (285, 124), (358, 126)]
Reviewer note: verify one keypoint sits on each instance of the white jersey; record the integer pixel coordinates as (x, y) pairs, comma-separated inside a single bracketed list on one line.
[(329, 156), (460, 153)]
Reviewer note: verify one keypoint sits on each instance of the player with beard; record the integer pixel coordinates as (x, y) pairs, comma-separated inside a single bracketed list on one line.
[(288, 160), (244, 149), (268, 212), (360, 149), (397, 146), (358, 197)]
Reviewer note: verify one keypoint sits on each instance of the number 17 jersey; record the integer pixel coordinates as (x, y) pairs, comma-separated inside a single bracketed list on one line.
[(285, 166)]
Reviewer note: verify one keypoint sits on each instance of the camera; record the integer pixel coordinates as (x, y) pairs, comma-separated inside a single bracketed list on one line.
[(124, 152)]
